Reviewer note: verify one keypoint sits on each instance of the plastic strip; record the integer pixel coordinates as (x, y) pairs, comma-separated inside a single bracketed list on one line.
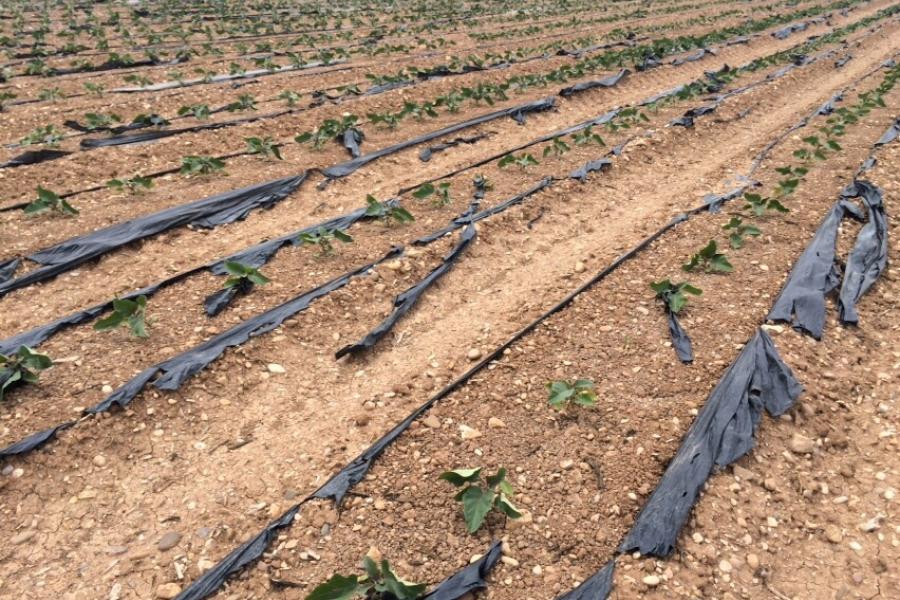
[(680, 340), (468, 579), (218, 78), (8, 268), (426, 153), (606, 82), (868, 259), (32, 157), (890, 135), (592, 166), (597, 587), (33, 441), (722, 433)]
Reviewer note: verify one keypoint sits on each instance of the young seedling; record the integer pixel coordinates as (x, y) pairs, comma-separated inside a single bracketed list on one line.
[(626, 119), (482, 183), (48, 200), (243, 277), (4, 97), (738, 230), (673, 295), (587, 136), (789, 171), (201, 165), (759, 205), (523, 161), (786, 187), (441, 192), (265, 146), (133, 184), (477, 499), (100, 121), (290, 98), (380, 210), (324, 239), (47, 135), (710, 260), (50, 94), (198, 111), (558, 148), (149, 120), (329, 129), (580, 392), (138, 80), (244, 102), (379, 583), (21, 367), (131, 313)]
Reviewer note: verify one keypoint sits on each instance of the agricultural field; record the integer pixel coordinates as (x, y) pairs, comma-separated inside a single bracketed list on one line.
[(555, 300)]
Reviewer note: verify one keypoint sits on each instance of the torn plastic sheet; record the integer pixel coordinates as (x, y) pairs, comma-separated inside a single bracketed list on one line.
[(693, 57), (209, 212), (426, 153), (597, 587), (32, 157), (830, 106), (785, 32), (488, 212), (112, 65), (606, 82), (890, 135), (8, 268), (868, 258), (157, 134), (714, 202), (170, 85), (516, 112), (469, 579), (34, 441), (842, 61), (722, 433), (661, 95), (351, 139), (405, 301), (687, 120), (680, 340), (581, 173), (802, 299)]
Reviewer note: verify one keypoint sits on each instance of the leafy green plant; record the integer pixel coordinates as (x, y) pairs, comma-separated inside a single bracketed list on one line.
[(243, 102), (49, 201), (759, 204), (324, 239), (100, 121), (388, 119), (523, 161), (138, 80), (626, 119), (738, 229), (265, 146), (198, 111), (201, 165), (132, 184), (477, 499), (47, 135), (23, 366), (786, 187), (327, 131), (580, 392), (379, 583), (557, 147), (96, 89), (441, 193), (290, 97), (674, 295), (384, 212), (149, 120), (4, 97), (50, 95), (587, 136), (709, 259), (243, 276), (130, 313)]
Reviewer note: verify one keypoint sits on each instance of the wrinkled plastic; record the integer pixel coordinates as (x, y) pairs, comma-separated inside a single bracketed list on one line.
[(890, 135), (694, 56), (32, 157), (469, 579), (802, 299), (215, 210), (592, 166), (8, 268), (426, 153), (868, 259), (785, 32), (714, 202), (842, 61), (34, 441), (687, 120), (515, 112), (680, 340), (404, 301), (351, 139), (597, 587), (722, 433), (606, 82), (662, 95)]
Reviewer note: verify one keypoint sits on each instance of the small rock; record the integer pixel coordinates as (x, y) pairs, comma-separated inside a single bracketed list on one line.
[(833, 534), (474, 354), (495, 423), (374, 553), (432, 422), (106, 389), (537, 570), (99, 460), (567, 464), (379, 504), (744, 474), (509, 560), (22, 537), (167, 591), (525, 519), (725, 565), (651, 580), (168, 541), (468, 433), (753, 561), (275, 368), (801, 444), (579, 267)]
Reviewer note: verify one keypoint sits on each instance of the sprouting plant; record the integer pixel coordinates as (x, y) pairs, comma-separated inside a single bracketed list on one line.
[(21, 367), (626, 119), (523, 160), (390, 120), (587, 136), (149, 120), (132, 184), (50, 94), (131, 313), (379, 583), (290, 98), (441, 193), (759, 204), (738, 230), (201, 165), (100, 121), (786, 187), (673, 295), (324, 239), (482, 183), (789, 171), (48, 200), (138, 80), (243, 102), (709, 259), (199, 111), (265, 146), (327, 131), (96, 89), (384, 212), (4, 97), (243, 276), (477, 499), (176, 76), (580, 392), (557, 147)]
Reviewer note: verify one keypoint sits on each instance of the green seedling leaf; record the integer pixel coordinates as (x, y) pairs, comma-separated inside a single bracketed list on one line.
[(460, 477), (131, 313), (340, 588), (22, 366), (477, 503)]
